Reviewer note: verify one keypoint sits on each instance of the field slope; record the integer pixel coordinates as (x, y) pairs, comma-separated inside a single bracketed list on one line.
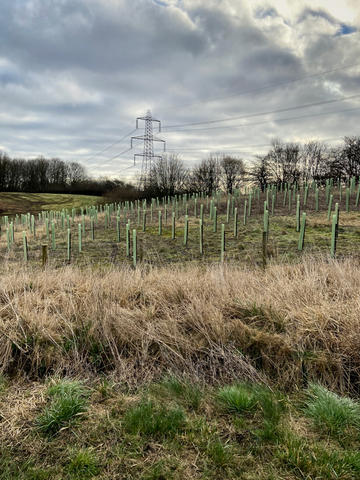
[(16, 203)]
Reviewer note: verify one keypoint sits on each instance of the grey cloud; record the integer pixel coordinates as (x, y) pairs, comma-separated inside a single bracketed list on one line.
[(76, 73)]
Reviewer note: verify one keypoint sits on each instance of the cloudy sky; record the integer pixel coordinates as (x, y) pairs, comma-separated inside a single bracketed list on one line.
[(223, 76)]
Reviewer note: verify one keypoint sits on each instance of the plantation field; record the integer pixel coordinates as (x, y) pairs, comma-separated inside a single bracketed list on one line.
[(104, 238), (181, 372), (16, 203), (196, 337)]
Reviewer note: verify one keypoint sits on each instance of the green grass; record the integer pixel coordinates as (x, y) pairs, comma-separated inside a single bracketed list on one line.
[(237, 398), (330, 413), (67, 400), (156, 434), (16, 203), (147, 418)]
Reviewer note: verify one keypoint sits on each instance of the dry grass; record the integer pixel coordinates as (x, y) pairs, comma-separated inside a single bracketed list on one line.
[(288, 325)]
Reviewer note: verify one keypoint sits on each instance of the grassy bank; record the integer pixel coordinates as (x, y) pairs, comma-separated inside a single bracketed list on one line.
[(17, 203), (198, 372), (288, 325), (174, 429)]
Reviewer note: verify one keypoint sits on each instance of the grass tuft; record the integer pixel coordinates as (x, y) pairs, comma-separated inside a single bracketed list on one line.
[(67, 401), (189, 393), (149, 419), (331, 413), (83, 465), (237, 398)]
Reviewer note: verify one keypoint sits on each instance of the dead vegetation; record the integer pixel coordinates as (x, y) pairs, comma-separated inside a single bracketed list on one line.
[(286, 326)]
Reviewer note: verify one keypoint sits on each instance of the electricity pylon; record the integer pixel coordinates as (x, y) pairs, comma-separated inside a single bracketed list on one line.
[(148, 154)]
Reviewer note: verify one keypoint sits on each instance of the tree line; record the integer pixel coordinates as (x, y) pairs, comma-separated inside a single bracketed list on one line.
[(42, 175), (283, 163)]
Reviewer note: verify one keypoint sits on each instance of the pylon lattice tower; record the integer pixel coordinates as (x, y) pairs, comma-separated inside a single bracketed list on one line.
[(148, 153)]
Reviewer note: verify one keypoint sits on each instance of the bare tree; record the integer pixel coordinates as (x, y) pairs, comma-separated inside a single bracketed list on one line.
[(284, 162), (167, 176), (259, 171), (233, 171), (206, 176), (314, 161), (345, 160)]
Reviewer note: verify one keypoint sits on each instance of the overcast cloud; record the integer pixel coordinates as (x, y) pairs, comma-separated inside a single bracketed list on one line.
[(75, 74)]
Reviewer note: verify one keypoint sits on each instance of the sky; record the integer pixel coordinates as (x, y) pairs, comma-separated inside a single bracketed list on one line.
[(222, 76)]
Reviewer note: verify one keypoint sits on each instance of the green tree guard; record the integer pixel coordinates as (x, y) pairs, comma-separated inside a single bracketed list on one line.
[(211, 209), (235, 222), (83, 224), (222, 242), (228, 211), (348, 199), (160, 222), (53, 241), (215, 219), (201, 236), (68, 245), (127, 235), (25, 245), (333, 235), (330, 206), (173, 233), (306, 193), (138, 215), (290, 198), (186, 229), (317, 199), (144, 221), (285, 193), (245, 212), (202, 212), (80, 237), (302, 232), (134, 247), (195, 207), (357, 196), (272, 204), (298, 214), (266, 223), (117, 229), (250, 204)]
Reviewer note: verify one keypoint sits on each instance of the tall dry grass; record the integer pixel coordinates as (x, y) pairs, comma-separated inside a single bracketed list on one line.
[(288, 325)]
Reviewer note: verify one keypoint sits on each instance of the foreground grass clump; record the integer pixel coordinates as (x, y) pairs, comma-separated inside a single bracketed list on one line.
[(83, 465), (147, 418), (237, 398), (154, 433), (331, 413), (67, 400)]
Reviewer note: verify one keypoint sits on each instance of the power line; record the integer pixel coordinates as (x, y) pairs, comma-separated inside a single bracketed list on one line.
[(281, 110), (310, 115), (111, 145), (265, 87), (235, 148), (119, 154)]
